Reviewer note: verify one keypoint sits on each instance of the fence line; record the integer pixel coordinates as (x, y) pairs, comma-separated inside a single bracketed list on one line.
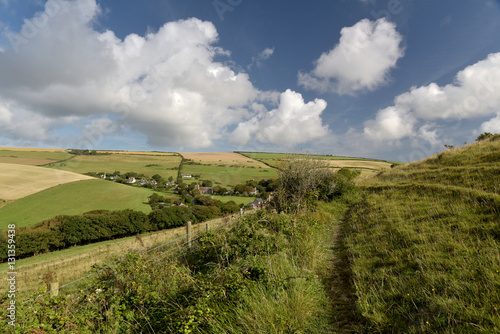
[(149, 250)]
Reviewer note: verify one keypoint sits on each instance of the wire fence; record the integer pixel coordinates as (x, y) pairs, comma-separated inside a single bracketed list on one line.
[(176, 245)]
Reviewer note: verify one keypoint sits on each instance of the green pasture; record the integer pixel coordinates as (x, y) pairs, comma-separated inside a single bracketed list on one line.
[(74, 198), (147, 164), (237, 199), (229, 176)]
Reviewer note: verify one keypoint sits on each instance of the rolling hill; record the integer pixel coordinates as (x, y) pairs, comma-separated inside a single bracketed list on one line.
[(74, 198)]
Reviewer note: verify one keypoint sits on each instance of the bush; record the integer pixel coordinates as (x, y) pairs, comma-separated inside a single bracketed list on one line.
[(301, 181)]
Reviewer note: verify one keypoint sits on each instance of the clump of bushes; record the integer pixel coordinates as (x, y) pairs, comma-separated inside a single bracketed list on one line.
[(302, 181)]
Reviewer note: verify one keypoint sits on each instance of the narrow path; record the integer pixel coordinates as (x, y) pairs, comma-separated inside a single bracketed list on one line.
[(339, 284)]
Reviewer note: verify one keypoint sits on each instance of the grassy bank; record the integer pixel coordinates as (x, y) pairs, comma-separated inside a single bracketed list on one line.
[(424, 245)]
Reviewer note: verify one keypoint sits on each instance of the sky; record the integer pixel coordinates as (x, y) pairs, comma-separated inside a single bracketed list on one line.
[(386, 79)]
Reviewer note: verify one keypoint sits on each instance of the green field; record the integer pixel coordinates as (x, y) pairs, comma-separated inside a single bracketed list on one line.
[(74, 198), (147, 164), (273, 159), (237, 199), (229, 176), (57, 156)]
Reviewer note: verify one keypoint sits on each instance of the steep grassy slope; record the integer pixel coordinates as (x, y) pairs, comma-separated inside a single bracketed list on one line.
[(74, 198), (424, 244)]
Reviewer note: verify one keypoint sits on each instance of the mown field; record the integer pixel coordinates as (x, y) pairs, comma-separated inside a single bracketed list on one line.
[(18, 181), (424, 244), (74, 198), (164, 164)]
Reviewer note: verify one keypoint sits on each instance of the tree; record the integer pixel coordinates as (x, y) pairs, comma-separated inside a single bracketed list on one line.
[(158, 178), (170, 179), (206, 183), (484, 136)]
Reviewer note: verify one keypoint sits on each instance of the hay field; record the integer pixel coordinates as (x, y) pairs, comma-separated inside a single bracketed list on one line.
[(147, 164), (19, 181)]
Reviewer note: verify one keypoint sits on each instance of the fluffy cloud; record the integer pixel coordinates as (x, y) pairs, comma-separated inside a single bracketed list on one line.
[(474, 93), (291, 123), (165, 84), (492, 126), (362, 60)]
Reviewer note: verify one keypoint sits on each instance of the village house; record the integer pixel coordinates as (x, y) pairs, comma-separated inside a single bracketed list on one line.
[(131, 180), (186, 176)]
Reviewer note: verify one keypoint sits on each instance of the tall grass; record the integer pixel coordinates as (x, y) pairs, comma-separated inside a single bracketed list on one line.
[(424, 244)]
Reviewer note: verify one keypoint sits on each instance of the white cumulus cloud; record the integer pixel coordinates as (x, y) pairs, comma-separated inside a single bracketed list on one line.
[(474, 93), (360, 61), (165, 84), (291, 123)]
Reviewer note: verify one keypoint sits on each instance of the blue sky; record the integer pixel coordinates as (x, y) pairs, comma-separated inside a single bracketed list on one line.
[(392, 79)]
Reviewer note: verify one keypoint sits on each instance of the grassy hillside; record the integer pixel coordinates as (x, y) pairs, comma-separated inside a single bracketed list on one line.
[(18, 181), (424, 244), (74, 198)]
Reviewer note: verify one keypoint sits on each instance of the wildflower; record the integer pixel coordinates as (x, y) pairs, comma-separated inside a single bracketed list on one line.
[(98, 290)]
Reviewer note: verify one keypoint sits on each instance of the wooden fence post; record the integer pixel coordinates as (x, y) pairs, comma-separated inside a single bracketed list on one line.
[(54, 289), (188, 232)]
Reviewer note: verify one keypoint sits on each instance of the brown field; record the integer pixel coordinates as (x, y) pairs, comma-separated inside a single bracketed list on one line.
[(19, 181), (28, 149), (25, 161), (223, 158)]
